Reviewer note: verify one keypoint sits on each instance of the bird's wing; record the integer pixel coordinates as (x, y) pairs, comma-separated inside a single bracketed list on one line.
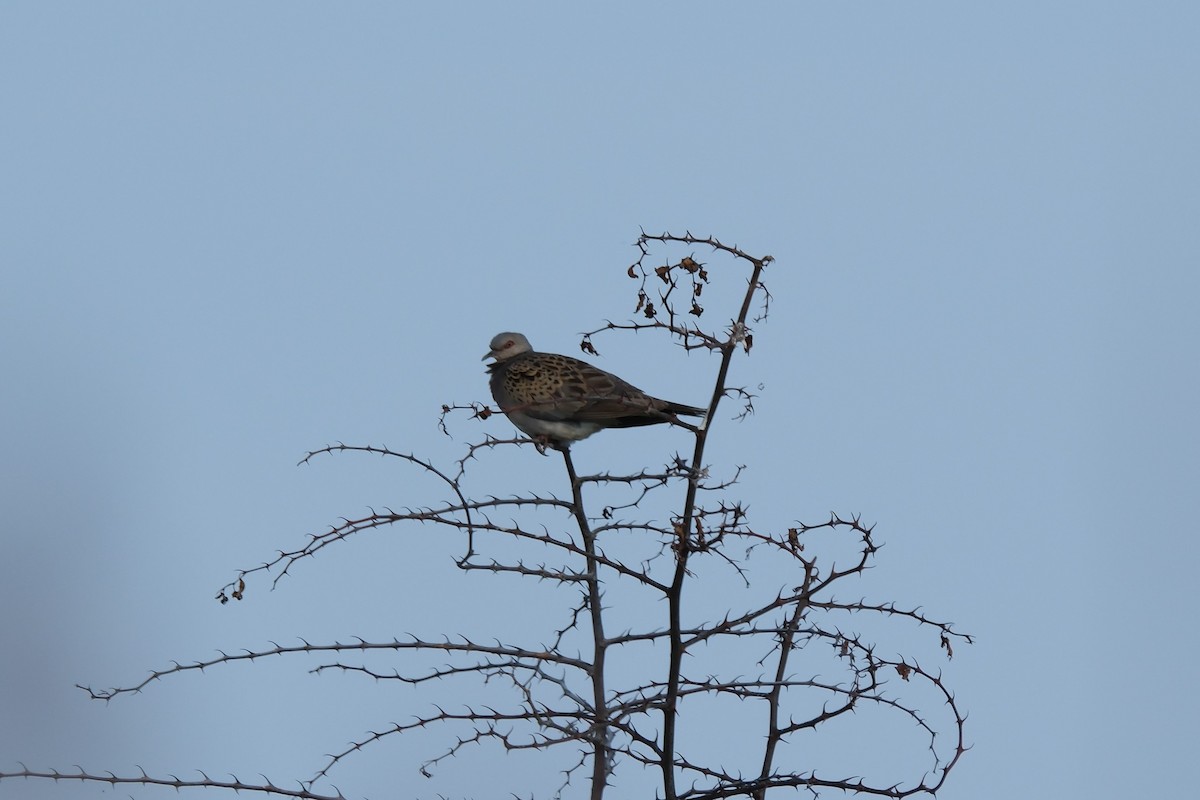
[(599, 396), (560, 388)]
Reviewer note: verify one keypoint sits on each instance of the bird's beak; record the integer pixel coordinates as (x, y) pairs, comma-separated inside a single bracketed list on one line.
[(487, 355)]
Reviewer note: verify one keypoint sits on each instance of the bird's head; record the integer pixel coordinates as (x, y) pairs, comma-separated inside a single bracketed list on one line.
[(508, 344)]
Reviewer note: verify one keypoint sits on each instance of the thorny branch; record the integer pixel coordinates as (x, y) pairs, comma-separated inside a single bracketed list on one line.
[(564, 694)]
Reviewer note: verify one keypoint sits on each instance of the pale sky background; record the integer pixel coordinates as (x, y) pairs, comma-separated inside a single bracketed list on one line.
[(234, 232)]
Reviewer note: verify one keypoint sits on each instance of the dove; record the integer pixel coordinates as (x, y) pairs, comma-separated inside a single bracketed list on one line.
[(559, 400)]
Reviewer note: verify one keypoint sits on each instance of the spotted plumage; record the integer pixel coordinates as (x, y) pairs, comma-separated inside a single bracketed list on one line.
[(559, 400)]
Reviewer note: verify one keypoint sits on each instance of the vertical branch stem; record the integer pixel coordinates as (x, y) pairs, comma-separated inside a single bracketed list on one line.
[(786, 639), (683, 541), (599, 733)]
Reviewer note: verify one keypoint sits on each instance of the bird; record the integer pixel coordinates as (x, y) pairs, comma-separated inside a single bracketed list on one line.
[(558, 400)]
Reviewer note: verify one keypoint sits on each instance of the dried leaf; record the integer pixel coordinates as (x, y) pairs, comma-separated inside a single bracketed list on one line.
[(696, 309), (794, 539), (946, 645)]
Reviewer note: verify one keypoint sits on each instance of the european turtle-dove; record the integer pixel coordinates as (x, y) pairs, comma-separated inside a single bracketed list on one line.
[(558, 400)]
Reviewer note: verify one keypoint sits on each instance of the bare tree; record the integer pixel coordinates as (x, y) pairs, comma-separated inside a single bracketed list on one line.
[(782, 655)]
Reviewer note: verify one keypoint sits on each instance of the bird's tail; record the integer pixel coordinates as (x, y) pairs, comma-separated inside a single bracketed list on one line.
[(681, 410)]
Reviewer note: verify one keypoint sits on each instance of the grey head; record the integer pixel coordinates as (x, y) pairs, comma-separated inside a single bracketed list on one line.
[(508, 344)]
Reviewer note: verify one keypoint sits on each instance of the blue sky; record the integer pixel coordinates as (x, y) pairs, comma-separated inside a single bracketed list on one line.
[(231, 233)]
